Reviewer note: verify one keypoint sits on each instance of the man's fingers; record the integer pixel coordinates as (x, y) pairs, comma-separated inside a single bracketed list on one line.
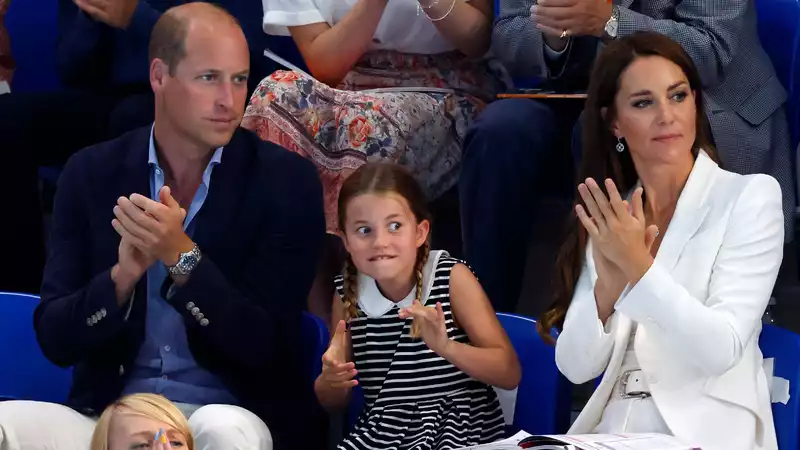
[(94, 8), (165, 195), (548, 30), (153, 208), (136, 212), (130, 225)]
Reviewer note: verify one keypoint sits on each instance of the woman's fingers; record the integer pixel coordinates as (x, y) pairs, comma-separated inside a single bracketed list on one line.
[(587, 221), (591, 207), (600, 199), (617, 204), (638, 204)]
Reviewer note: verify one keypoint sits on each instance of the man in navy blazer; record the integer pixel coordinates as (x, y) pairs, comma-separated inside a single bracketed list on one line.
[(181, 257)]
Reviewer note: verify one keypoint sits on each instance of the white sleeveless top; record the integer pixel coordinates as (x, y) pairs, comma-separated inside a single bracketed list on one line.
[(402, 28)]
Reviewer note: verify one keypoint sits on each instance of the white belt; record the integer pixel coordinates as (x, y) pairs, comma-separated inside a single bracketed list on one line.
[(633, 384)]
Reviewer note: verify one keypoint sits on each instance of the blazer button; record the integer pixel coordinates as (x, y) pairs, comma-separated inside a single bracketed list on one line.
[(89, 321), (195, 311), (121, 370), (204, 323), (103, 312), (199, 316), (189, 306)]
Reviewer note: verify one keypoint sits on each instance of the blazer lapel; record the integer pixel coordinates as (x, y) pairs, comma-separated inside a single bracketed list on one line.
[(689, 213), (228, 181), (135, 176)]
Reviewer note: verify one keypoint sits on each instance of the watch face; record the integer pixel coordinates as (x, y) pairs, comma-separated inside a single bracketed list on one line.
[(188, 262), (611, 28)]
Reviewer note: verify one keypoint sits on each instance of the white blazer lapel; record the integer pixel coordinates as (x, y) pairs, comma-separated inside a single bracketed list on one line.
[(689, 213)]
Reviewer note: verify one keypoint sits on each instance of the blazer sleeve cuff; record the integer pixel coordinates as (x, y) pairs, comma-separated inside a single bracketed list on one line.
[(587, 320), (645, 302), (102, 311)]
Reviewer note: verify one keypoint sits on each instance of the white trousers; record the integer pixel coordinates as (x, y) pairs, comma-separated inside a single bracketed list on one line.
[(28, 425)]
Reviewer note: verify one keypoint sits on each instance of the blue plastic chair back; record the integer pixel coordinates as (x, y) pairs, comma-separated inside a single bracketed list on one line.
[(544, 396), (33, 28), (26, 373), (784, 347), (315, 338), (779, 32)]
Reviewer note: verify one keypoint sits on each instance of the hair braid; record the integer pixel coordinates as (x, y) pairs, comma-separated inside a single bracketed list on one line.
[(422, 258), (350, 289)]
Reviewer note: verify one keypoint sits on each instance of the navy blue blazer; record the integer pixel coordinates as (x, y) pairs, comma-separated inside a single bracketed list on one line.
[(260, 229)]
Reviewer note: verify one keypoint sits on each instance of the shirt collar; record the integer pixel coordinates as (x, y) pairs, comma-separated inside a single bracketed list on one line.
[(152, 158)]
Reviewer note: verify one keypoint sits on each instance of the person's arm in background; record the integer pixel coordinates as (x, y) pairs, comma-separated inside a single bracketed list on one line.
[(465, 24), (708, 30), (520, 46), (332, 51), (86, 37)]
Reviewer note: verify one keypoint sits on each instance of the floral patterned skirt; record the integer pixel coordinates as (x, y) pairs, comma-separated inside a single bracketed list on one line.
[(410, 109)]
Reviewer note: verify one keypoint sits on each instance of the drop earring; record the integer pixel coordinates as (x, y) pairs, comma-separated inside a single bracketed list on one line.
[(620, 145)]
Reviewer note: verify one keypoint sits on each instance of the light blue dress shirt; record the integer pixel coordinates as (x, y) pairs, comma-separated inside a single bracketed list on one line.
[(165, 365)]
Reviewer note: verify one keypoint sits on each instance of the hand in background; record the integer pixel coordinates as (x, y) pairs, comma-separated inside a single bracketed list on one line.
[(576, 17), (115, 13)]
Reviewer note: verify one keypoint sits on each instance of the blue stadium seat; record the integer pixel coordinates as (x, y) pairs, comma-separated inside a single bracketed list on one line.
[(779, 32), (315, 339), (26, 373), (543, 399), (33, 28), (544, 396), (784, 347)]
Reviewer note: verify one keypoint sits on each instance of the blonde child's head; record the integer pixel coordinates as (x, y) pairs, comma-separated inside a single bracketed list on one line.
[(136, 419)]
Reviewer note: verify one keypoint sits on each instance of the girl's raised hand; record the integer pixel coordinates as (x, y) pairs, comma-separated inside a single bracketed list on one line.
[(432, 325), (336, 371)]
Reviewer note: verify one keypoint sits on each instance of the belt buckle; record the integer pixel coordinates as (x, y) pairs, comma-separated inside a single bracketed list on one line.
[(623, 382)]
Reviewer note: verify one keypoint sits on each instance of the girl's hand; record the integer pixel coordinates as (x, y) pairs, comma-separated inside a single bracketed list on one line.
[(337, 373), (431, 325), (621, 235)]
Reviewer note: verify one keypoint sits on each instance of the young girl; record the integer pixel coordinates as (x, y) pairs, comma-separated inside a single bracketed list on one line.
[(142, 421), (422, 335)]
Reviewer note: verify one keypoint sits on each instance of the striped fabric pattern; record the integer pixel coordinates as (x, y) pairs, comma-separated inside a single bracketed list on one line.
[(415, 399)]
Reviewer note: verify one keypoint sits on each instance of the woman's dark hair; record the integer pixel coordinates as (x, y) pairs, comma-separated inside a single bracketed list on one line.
[(382, 178), (601, 160)]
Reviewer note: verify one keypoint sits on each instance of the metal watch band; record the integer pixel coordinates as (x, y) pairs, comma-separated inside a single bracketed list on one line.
[(186, 262)]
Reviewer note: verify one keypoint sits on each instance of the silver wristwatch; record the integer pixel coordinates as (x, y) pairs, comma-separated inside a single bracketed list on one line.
[(187, 262), (613, 23)]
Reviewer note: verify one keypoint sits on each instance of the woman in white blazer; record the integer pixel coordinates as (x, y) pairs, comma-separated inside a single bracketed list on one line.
[(661, 289)]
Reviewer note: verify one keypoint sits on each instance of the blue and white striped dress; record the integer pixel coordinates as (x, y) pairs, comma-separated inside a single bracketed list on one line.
[(415, 399)]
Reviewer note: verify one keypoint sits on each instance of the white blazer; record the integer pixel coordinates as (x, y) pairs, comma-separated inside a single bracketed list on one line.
[(699, 310)]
